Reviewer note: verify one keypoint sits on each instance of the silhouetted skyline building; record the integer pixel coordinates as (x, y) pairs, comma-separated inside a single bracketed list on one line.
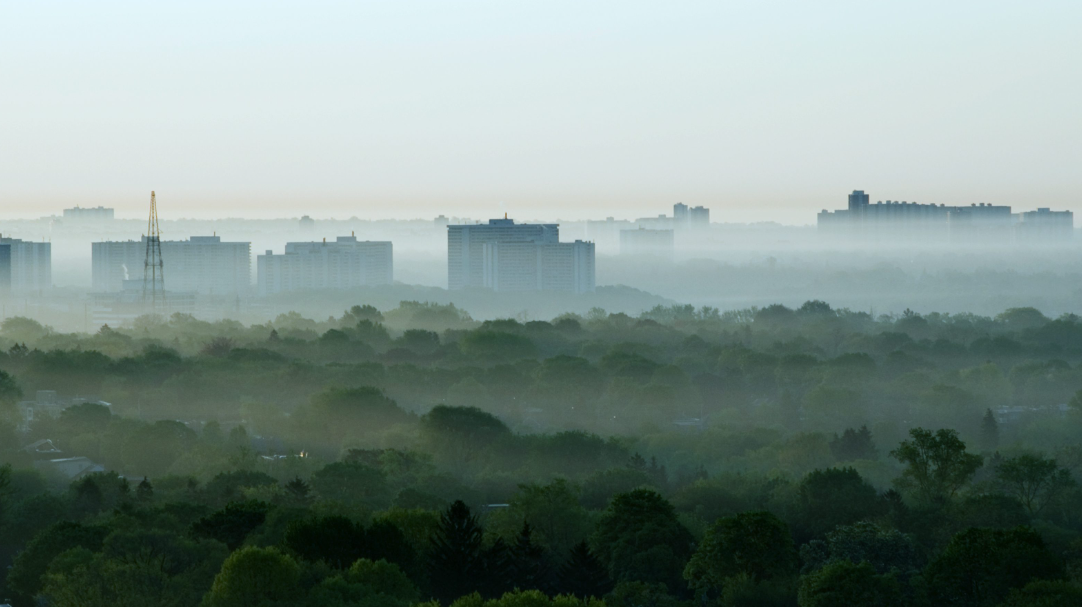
[(345, 263), (539, 266), (942, 223), (201, 264), (685, 216), (466, 244), (79, 214), (25, 265), (1045, 225)]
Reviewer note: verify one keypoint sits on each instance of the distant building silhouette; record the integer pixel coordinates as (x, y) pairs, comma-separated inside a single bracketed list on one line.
[(539, 266), (942, 223), (466, 243), (201, 264), (1045, 224), (88, 214), (690, 217), (505, 256), (344, 264), (306, 223), (25, 265)]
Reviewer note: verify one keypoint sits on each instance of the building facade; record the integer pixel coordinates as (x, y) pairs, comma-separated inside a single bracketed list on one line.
[(539, 266), (1045, 225), (201, 264), (344, 264), (466, 243), (88, 214), (981, 222), (690, 217), (25, 266)]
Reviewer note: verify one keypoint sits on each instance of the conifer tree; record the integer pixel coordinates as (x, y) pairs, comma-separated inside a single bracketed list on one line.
[(298, 489), (989, 432), (583, 575), (530, 563), (499, 570), (144, 492), (456, 565)]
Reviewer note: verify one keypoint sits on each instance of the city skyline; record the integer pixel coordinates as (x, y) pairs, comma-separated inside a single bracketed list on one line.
[(415, 109), (89, 216)]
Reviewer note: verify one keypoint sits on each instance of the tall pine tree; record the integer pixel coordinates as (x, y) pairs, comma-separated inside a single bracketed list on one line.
[(989, 432), (531, 566), (144, 492), (456, 566), (853, 445), (499, 570), (583, 575)]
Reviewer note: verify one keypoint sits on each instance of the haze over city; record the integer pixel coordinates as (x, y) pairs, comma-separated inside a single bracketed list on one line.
[(540, 304), (761, 111)]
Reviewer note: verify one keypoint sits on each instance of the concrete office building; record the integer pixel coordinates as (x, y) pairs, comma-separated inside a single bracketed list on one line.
[(201, 264), (343, 264), (466, 242), (658, 243), (25, 265), (88, 215), (539, 266)]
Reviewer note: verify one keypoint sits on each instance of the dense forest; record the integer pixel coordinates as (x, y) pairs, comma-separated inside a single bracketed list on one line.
[(415, 456)]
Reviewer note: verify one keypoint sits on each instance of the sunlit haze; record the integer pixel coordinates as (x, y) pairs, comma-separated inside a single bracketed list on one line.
[(767, 111)]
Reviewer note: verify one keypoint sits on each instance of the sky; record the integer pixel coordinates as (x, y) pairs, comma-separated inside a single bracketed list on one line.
[(761, 111)]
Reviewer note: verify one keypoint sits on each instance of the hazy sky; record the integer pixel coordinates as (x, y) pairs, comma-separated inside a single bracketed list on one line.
[(758, 110)]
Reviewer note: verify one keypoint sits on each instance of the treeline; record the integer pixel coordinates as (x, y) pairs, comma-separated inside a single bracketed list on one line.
[(805, 370), (957, 528)]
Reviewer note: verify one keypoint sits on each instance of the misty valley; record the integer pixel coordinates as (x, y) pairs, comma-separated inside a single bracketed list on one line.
[(413, 455)]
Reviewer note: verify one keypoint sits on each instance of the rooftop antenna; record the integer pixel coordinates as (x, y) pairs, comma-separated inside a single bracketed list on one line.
[(153, 267)]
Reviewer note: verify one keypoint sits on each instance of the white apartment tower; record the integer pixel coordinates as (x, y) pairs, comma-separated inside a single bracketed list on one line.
[(25, 265), (539, 266), (343, 264), (201, 264), (466, 243)]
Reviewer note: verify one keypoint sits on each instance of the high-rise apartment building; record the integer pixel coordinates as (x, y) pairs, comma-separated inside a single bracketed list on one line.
[(25, 265), (699, 216), (466, 242), (539, 266), (201, 264), (686, 217), (992, 224), (344, 264), (88, 214), (1044, 225)]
